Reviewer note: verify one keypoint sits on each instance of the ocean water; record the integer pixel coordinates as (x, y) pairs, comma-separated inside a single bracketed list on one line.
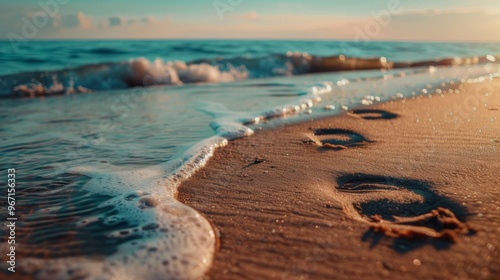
[(101, 133)]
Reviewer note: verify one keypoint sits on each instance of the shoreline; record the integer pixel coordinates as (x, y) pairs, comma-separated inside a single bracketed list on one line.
[(300, 201)]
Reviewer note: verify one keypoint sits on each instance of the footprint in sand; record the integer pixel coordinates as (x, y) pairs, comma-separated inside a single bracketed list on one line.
[(337, 138), (373, 114), (402, 209)]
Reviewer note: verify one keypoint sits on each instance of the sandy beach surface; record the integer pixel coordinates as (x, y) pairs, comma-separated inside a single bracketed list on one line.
[(409, 189)]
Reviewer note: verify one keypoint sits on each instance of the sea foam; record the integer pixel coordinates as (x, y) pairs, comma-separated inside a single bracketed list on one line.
[(141, 72), (173, 240)]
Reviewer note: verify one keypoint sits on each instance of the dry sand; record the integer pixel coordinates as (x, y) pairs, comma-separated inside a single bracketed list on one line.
[(287, 206)]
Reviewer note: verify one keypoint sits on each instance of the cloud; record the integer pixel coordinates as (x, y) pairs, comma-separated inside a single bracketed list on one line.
[(115, 21), (78, 20), (140, 27), (122, 20), (416, 25), (148, 19), (82, 21)]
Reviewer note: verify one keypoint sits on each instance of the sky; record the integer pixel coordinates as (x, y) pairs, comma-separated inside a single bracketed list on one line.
[(414, 20)]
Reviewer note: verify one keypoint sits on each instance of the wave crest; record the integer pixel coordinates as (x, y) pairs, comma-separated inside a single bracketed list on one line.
[(141, 72)]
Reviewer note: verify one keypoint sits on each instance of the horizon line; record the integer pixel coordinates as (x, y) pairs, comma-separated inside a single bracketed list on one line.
[(255, 38)]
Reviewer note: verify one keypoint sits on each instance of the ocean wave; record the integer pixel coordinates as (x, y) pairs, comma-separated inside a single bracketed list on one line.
[(141, 72)]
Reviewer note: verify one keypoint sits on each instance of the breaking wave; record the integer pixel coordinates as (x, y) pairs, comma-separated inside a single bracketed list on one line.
[(141, 72)]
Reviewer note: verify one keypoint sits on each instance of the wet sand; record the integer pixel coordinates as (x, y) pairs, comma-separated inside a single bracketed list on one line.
[(318, 200)]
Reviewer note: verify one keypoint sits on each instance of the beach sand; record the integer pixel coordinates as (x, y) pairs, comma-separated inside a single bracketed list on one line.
[(317, 200)]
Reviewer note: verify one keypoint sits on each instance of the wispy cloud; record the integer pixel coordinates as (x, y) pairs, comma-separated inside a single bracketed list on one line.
[(442, 25), (124, 20), (114, 21), (77, 20)]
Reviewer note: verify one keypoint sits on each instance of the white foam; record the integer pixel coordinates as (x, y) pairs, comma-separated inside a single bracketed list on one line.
[(143, 72), (133, 73), (175, 241)]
